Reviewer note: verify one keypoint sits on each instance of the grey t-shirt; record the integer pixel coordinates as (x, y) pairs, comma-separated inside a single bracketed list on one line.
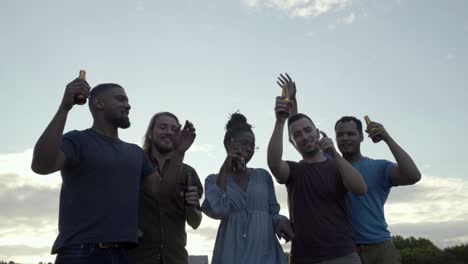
[(99, 194)]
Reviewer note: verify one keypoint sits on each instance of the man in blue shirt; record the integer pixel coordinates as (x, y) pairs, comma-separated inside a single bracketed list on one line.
[(101, 176), (366, 212)]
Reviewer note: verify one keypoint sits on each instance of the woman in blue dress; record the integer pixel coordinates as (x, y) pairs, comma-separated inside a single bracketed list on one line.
[(244, 199)]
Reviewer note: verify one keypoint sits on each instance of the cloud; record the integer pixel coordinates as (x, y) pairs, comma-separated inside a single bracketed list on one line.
[(346, 20), (349, 19), (205, 148), (29, 220), (9, 252), (20, 164), (140, 6), (433, 199), (331, 27), (311, 34), (449, 56), (301, 8), (30, 202)]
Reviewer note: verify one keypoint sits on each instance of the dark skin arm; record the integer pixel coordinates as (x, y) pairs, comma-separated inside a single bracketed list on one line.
[(406, 172), (283, 229), (279, 168), (285, 81), (47, 155), (233, 162)]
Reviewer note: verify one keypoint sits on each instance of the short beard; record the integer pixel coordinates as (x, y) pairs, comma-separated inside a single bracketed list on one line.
[(349, 155), (310, 154), (122, 122), (162, 150)]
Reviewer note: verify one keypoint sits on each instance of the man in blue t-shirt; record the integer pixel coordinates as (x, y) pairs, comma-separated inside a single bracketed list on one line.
[(366, 213), (101, 176)]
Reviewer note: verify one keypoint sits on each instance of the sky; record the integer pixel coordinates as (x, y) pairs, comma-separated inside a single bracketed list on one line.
[(402, 62)]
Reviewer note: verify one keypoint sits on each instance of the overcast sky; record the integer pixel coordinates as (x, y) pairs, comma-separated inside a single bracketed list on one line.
[(402, 62)]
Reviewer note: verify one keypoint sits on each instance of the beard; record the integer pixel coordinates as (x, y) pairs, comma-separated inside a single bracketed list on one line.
[(121, 122), (348, 154), (348, 151), (311, 152), (163, 148)]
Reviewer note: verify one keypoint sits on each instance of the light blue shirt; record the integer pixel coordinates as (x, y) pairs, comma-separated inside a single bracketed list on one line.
[(366, 212), (246, 233)]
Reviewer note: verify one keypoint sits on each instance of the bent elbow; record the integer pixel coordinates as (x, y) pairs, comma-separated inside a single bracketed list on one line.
[(280, 180), (36, 168), (416, 178), (219, 213), (272, 165), (195, 226), (361, 190)]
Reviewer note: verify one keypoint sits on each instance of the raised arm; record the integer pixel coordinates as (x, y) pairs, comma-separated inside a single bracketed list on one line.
[(164, 188), (47, 155), (406, 173), (234, 161), (286, 82), (352, 179), (279, 168)]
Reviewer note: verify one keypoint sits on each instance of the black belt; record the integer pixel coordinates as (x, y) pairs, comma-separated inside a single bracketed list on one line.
[(100, 245), (106, 245)]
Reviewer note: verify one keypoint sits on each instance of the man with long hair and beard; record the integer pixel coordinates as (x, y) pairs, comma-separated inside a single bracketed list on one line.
[(162, 225)]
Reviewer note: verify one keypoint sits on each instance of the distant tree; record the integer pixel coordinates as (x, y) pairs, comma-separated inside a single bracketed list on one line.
[(9, 262), (422, 251), (460, 252)]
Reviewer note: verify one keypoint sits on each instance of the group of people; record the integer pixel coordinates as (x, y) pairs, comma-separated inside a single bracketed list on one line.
[(120, 203)]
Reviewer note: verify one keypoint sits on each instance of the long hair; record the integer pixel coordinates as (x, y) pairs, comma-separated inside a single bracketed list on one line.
[(147, 143)]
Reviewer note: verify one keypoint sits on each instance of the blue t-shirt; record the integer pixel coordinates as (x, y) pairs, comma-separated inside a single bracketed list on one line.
[(366, 212), (100, 187)]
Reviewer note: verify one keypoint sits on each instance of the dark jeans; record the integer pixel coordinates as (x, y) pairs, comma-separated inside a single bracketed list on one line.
[(91, 254), (145, 255)]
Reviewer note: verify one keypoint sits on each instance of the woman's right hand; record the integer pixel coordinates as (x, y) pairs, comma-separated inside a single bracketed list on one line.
[(235, 159)]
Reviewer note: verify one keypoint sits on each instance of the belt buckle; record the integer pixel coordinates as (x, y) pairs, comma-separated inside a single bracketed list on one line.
[(107, 245)]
